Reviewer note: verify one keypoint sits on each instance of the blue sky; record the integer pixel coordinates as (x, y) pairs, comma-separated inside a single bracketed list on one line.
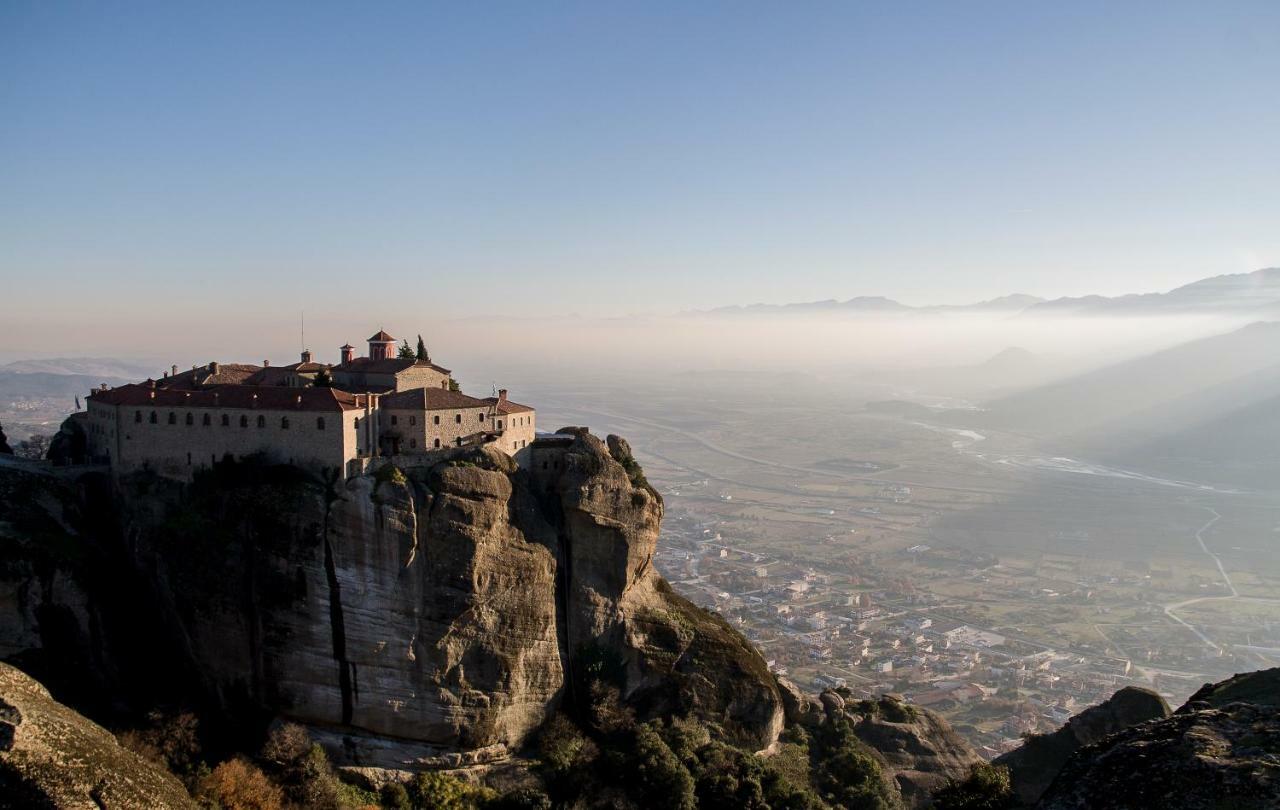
[(236, 160)]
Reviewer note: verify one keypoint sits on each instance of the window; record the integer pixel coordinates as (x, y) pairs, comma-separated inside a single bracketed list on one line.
[(499, 424), (137, 416), (188, 459), (457, 417), (207, 420), (191, 418), (319, 423), (437, 444), (226, 420), (153, 417), (394, 419), (515, 445), (436, 419), (244, 421), (173, 418), (413, 420), (284, 423), (413, 443), (458, 441), (481, 416), (262, 421)]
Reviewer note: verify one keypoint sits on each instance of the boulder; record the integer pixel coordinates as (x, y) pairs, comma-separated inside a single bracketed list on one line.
[(52, 757)]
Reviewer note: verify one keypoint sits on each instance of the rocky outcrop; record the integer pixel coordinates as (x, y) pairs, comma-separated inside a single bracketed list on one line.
[(1203, 758), (50, 756), (454, 605), (1033, 766), (917, 748)]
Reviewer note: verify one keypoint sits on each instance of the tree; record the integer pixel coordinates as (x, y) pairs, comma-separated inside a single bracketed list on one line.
[(406, 352), (4, 443), (422, 350), (237, 785), (324, 379), (35, 448)]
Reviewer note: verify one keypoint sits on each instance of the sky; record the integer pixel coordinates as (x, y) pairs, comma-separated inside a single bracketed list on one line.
[(225, 166)]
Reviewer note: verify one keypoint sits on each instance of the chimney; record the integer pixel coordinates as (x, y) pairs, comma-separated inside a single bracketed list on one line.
[(348, 353), (266, 363), (213, 368), (151, 383), (306, 356), (502, 395), (173, 372)]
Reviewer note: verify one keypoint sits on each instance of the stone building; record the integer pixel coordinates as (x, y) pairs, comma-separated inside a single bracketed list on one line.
[(331, 417)]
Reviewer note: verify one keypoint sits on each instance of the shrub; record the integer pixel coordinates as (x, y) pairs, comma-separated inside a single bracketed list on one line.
[(560, 744), (432, 790), (169, 740), (987, 787), (238, 785), (393, 796), (657, 777)]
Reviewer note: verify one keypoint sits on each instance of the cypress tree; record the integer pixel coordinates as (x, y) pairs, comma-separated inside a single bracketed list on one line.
[(422, 350)]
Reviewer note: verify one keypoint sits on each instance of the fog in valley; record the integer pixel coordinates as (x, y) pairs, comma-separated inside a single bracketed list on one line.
[(1052, 500)]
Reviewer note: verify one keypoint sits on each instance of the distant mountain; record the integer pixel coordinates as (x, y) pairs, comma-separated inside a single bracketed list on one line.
[(865, 303), (40, 385), (1255, 294), (1258, 290), (1103, 401), (89, 366)]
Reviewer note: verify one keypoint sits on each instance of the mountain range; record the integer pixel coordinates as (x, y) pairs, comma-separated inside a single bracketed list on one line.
[(1256, 294)]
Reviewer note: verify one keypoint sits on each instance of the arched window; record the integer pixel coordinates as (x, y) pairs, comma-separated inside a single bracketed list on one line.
[(173, 418), (191, 418), (413, 443), (208, 420), (244, 421), (481, 416), (319, 423), (284, 423), (226, 420), (436, 419), (137, 416), (262, 421), (153, 417), (457, 417), (437, 444)]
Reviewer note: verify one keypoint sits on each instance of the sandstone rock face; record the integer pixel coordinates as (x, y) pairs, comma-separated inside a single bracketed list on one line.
[(1033, 766), (454, 605), (1207, 758), (918, 748), (50, 756)]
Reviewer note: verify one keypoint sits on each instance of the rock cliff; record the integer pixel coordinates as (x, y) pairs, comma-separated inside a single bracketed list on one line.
[(452, 606), (1035, 764), (50, 756), (917, 749)]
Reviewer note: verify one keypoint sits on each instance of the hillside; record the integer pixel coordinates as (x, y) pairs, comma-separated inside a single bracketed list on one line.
[(1091, 402)]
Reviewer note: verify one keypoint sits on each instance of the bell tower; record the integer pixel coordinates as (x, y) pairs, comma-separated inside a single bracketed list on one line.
[(381, 346)]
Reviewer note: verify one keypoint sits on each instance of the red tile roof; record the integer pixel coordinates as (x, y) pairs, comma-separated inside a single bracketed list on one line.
[(393, 365), (230, 396), (507, 406), (382, 337), (430, 399), (228, 374)]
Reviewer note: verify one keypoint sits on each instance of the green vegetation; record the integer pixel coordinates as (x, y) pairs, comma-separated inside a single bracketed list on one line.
[(406, 351), (390, 473), (987, 787)]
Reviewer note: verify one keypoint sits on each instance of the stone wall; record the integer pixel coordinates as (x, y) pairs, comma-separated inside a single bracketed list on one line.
[(180, 448)]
